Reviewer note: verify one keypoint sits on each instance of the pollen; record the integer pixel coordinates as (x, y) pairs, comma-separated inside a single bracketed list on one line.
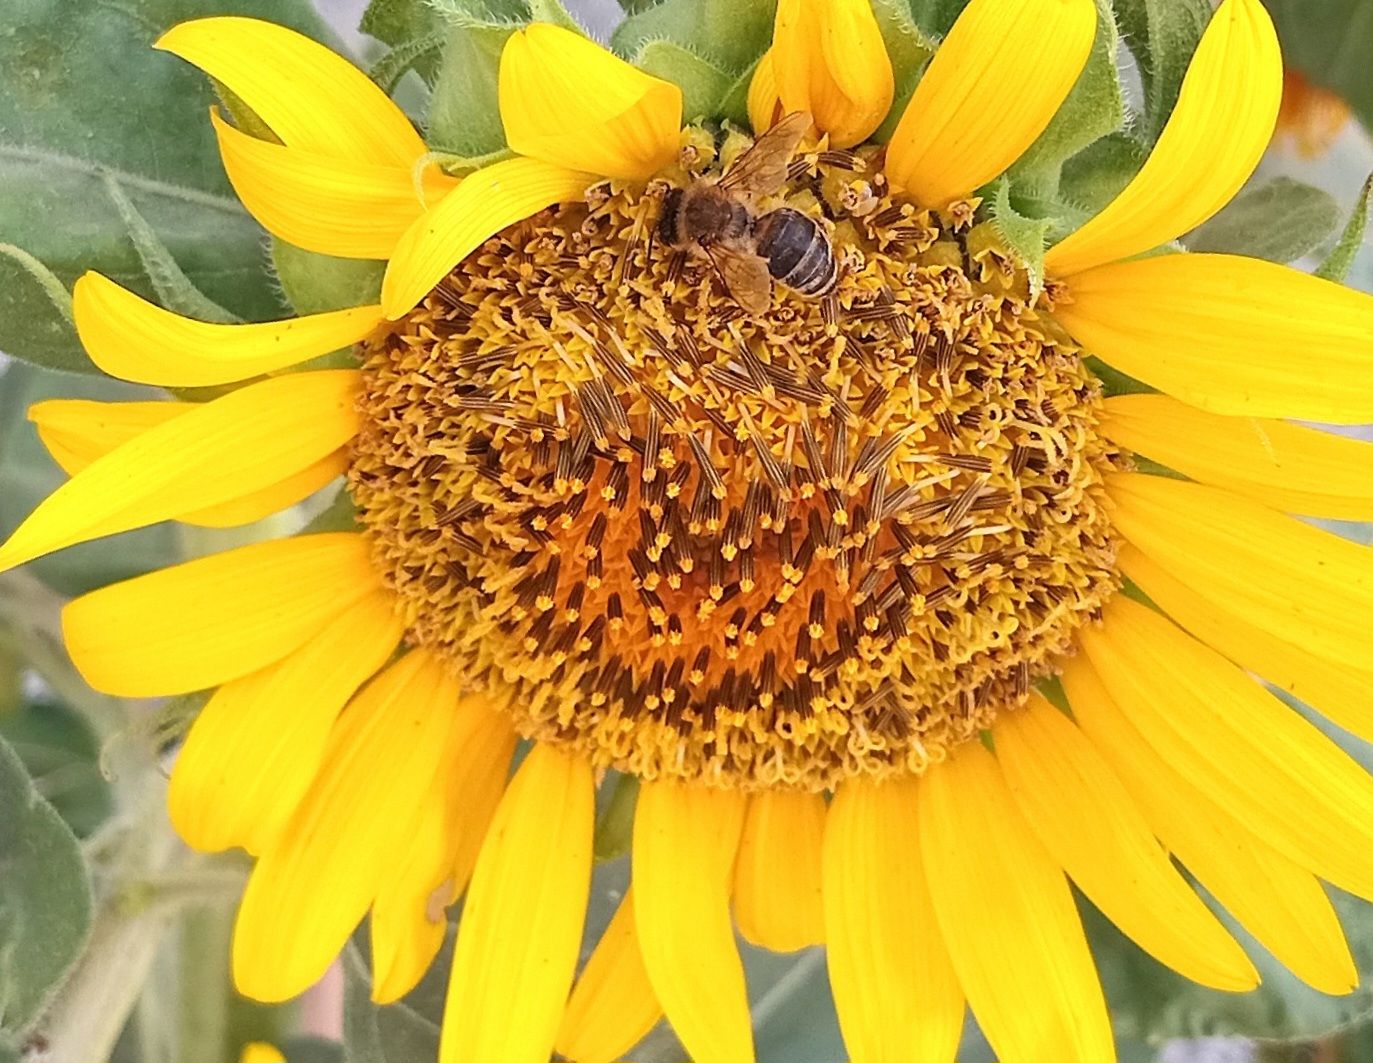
[(781, 549)]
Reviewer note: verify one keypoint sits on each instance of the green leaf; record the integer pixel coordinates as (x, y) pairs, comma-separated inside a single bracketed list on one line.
[(1024, 236), (1337, 264), (311, 1050), (909, 48), (414, 31), (62, 758), (704, 85), (1114, 382), (729, 34), (1162, 35), (45, 906), (464, 116), (315, 283), (84, 98), (1094, 108), (556, 12), (404, 1032), (1332, 44), (615, 824), (1096, 175), (936, 17), (1279, 221)]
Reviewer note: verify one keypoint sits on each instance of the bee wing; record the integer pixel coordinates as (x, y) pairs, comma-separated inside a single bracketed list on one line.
[(763, 168), (744, 275)]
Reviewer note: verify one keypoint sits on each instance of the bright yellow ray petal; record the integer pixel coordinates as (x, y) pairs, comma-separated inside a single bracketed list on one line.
[(1223, 121), (484, 204), (685, 841), (566, 100), (764, 103), (261, 1052), (132, 339), (1238, 744), (311, 888), (1219, 332), (217, 618), (336, 206), (77, 431), (828, 59), (522, 922), (1287, 467), (990, 90), (1339, 691), (308, 96), (241, 443), (612, 1006), (1299, 583), (1085, 818), (897, 996), (408, 921), (1281, 904), (254, 749), (777, 876), (1008, 918)]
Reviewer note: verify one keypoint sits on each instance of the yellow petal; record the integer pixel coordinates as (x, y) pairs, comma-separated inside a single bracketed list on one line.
[(207, 621), (1339, 691), (566, 100), (1008, 918), (254, 749), (132, 339), (685, 841), (522, 922), (777, 877), (1224, 118), (1219, 332), (764, 103), (336, 206), (1304, 585), (308, 96), (261, 1052), (484, 204), (248, 440), (828, 59), (990, 90), (1240, 745), (1281, 904), (612, 1006), (894, 986), (1086, 820), (313, 885), (408, 921), (1294, 469), (77, 431)]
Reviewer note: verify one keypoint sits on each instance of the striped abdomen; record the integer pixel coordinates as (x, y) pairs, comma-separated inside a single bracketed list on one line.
[(797, 251)]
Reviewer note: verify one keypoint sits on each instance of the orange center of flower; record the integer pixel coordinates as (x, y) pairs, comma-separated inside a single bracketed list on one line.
[(835, 538)]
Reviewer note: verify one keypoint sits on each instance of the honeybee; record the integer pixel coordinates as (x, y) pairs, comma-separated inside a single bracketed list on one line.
[(750, 251)]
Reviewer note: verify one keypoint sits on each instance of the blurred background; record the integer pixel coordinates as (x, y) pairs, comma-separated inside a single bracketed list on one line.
[(152, 975)]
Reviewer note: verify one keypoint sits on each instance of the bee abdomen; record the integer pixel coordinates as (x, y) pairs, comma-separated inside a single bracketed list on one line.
[(797, 251)]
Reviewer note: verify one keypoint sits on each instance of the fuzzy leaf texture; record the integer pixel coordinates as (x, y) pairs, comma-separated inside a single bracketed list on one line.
[(45, 907), (1280, 221), (86, 101)]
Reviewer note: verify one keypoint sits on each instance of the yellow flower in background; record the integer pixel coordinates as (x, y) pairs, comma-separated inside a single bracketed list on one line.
[(261, 1052), (755, 560)]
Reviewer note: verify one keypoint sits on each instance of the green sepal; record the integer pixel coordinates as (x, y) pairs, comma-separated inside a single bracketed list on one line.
[(734, 103), (910, 49), (1279, 221), (615, 824), (414, 32), (1338, 263), (1114, 382), (730, 35), (417, 54), (704, 85), (1024, 236), (1162, 35), (556, 13), (315, 283), (1094, 108), (45, 905), (464, 111), (340, 515), (1097, 174)]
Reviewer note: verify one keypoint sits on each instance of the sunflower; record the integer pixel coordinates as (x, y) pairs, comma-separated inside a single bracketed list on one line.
[(820, 578)]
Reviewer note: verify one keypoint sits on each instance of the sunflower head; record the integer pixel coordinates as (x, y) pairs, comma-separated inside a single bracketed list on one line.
[(788, 484)]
